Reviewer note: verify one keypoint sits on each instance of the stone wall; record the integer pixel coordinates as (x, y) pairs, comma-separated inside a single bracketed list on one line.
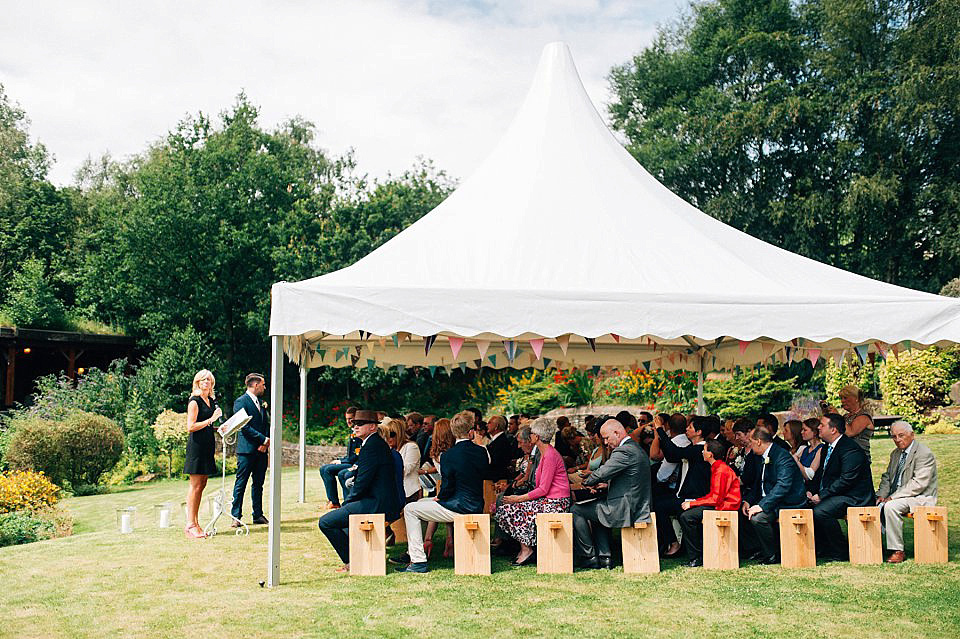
[(316, 455)]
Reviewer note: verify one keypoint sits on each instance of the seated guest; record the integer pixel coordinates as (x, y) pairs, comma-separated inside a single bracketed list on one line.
[(626, 501), (792, 435), (909, 481), (598, 453), (574, 440), (503, 451), (517, 514), (858, 420), (523, 481), (561, 444), (389, 434), (374, 487), (462, 470), (341, 470), (442, 441), (668, 474), (845, 482), (724, 495), (741, 460), (693, 481), (644, 418), (629, 422), (810, 456), (395, 433), (777, 484), (770, 423)]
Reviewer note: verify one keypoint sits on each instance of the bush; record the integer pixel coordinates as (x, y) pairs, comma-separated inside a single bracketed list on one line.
[(31, 301), (574, 388), (850, 371), (170, 431), (24, 528), (951, 288), (532, 393), (748, 392), (75, 451), (916, 382), (26, 490)]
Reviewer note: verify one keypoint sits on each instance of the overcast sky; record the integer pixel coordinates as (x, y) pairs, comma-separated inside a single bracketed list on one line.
[(392, 79)]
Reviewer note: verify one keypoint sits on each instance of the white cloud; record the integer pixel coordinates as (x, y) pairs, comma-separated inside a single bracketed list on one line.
[(392, 79)]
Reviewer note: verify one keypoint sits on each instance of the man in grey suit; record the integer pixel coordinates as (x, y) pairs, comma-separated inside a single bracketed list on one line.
[(909, 481), (627, 500)]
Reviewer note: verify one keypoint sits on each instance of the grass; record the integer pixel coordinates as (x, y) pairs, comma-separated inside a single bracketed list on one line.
[(155, 583)]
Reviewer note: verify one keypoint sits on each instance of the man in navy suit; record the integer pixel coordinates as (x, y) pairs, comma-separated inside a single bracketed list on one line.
[(777, 484), (462, 471), (252, 444), (846, 481), (374, 487)]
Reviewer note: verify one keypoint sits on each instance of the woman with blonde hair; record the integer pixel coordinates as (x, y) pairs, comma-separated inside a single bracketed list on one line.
[(202, 413), (859, 421)]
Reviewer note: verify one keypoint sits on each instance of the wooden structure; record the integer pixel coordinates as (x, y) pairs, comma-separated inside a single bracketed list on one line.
[(641, 554), (863, 532), (489, 496), (554, 543), (930, 534), (471, 544), (797, 546), (368, 550), (399, 528), (721, 536)]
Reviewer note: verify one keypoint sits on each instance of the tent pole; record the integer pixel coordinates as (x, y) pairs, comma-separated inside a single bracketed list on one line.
[(276, 460), (303, 434), (701, 406)]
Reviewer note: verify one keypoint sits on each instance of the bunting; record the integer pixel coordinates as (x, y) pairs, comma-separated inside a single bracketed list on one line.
[(396, 340), (428, 343), (339, 355), (537, 346), (767, 349), (595, 369), (882, 348), (615, 337), (546, 362), (482, 346), (813, 355), (383, 342), (463, 367), (563, 341), (493, 359), (401, 368), (353, 360), (433, 370), (862, 352), (510, 347), (322, 353), (743, 346), (359, 349), (371, 364), (456, 343), (646, 366), (592, 341)]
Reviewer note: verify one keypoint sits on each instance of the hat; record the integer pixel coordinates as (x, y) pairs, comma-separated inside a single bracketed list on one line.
[(365, 417)]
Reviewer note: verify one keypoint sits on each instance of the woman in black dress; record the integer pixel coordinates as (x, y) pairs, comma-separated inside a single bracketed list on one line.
[(202, 412)]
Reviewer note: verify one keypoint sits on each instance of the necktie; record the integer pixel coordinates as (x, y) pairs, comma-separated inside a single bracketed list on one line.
[(897, 475), (829, 452)]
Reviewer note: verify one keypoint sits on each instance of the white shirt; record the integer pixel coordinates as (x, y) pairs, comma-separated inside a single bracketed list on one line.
[(494, 437), (666, 468), (763, 468), (256, 400)]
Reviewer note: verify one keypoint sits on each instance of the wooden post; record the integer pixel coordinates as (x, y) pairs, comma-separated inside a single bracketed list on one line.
[(797, 546), (11, 376), (489, 495), (399, 528), (471, 544), (930, 535), (863, 531), (554, 543), (641, 553), (368, 545), (721, 530)]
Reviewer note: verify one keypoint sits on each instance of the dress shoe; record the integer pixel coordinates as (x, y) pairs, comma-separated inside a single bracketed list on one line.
[(605, 563), (418, 568), (695, 563), (529, 561), (586, 564), (261, 520), (896, 557)]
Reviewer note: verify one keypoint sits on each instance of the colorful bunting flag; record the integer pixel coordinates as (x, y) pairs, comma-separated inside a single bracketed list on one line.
[(383, 342), (401, 368), (482, 346), (433, 370), (511, 349), (428, 343), (766, 348), (455, 344), (537, 346), (396, 340), (339, 355), (563, 341), (862, 352), (743, 346), (546, 362), (592, 341), (646, 366), (813, 355), (322, 353), (595, 369), (359, 349), (493, 359), (615, 337), (882, 348), (463, 367), (371, 364), (353, 360)]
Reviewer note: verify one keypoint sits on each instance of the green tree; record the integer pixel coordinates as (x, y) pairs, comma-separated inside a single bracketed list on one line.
[(32, 302)]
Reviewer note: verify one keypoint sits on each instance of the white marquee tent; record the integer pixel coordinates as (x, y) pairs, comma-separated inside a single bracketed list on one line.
[(562, 251)]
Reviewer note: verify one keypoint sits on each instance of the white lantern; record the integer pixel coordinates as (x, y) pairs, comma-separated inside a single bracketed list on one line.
[(125, 519), (164, 514)]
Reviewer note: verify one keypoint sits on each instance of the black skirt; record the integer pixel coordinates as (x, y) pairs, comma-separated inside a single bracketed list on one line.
[(201, 444)]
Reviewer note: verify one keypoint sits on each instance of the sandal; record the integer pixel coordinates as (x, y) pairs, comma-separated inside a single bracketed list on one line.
[(193, 531)]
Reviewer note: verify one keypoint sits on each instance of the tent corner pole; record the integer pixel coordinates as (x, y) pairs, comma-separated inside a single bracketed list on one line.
[(275, 460), (701, 405), (303, 435)]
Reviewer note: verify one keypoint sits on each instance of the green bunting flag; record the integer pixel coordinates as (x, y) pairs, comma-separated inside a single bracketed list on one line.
[(371, 364)]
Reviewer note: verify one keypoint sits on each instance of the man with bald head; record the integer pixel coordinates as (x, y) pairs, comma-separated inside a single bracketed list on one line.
[(909, 481), (626, 474)]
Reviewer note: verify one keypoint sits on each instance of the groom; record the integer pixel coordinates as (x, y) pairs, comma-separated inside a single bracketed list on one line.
[(252, 445)]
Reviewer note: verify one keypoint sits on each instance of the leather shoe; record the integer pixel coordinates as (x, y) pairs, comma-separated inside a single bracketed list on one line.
[(605, 562), (586, 564), (896, 557), (695, 563), (530, 560), (260, 520)]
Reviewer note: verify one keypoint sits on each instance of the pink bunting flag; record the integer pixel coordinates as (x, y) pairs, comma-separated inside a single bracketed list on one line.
[(896, 350), (482, 346), (455, 344), (537, 346), (383, 342), (563, 341), (743, 346), (882, 348), (813, 355)]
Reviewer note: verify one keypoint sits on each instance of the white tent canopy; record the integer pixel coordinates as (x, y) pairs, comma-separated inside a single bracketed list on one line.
[(560, 236)]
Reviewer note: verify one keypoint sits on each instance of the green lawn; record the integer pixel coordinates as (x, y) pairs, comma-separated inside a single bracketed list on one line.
[(156, 583)]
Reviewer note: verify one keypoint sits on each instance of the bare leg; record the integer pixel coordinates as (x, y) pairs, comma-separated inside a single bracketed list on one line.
[(525, 552), (194, 493)]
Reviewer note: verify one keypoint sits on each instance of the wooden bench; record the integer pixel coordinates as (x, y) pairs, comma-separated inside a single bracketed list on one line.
[(554, 543), (471, 544), (863, 533), (797, 546), (368, 550), (720, 539), (489, 495), (641, 553), (930, 534)]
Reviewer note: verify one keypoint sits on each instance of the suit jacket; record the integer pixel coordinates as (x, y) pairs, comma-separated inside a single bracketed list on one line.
[(627, 475), (353, 448), (375, 484), (919, 478), (462, 471), (502, 453), (254, 432), (848, 474), (696, 479), (777, 484)]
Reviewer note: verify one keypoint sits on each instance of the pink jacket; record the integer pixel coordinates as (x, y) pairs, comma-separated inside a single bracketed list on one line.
[(552, 481)]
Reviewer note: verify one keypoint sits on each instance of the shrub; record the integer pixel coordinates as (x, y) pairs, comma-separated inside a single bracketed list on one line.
[(951, 288), (76, 451), (916, 382), (850, 371), (26, 490), (574, 388), (31, 301), (748, 392), (24, 528), (170, 431), (532, 392)]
